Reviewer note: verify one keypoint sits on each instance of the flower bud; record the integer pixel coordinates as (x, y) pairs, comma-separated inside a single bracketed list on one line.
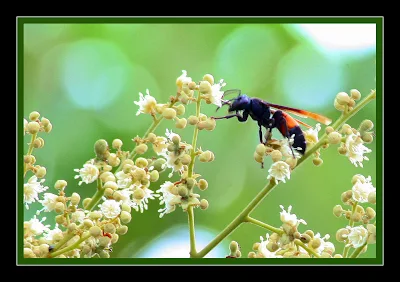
[(252, 255), (310, 233), (203, 184), (205, 87), (338, 106), (95, 231), (141, 149), (181, 123), (87, 223), (114, 238), (342, 98), (258, 158), (260, 149), (60, 219), (109, 228), (372, 197), (193, 120), (28, 253), (338, 210), (125, 217), (125, 207), (101, 149), (341, 234), (48, 128), (201, 125), (297, 235), (33, 127), (72, 227), (159, 164), (113, 160), (256, 245), (205, 156), (154, 175), (180, 109), (358, 177), (141, 162), (346, 196), (272, 246), (209, 78), (186, 159), (75, 198), (152, 137), (233, 247), (59, 207), (329, 129), (315, 243), (367, 137), (317, 161), (169, 113), (190, 182), (342, 150), (355, 94), (138, 194), (334, 137), (122, 230), (182, 191), (33, 116), (40, 172), (104, 241), (210, 124), (305, 238), (203, 204), (276, 155), (370, 212), (356, 217), (366, 125), (117, 144), (110, 184), (176, 139), (38, 143)]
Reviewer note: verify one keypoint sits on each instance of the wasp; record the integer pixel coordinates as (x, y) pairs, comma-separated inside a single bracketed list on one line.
[(271, 116)]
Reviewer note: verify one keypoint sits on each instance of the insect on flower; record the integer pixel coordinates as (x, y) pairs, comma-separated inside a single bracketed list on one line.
[(260, 111)]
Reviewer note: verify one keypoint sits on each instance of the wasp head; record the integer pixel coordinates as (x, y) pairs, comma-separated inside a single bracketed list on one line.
[(242, 102)]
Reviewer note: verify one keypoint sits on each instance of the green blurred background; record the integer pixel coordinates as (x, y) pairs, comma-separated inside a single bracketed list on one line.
[(85, 77)]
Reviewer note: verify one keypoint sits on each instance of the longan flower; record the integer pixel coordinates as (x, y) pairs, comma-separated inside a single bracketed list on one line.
[(32, 190), (146, 103), (123, 179), (110, 208), (89, 173), (290, 219), (78, 216), (169, 197), (279, 170), (35, 227), (216, 94), (263, 251), (357, 237), (51, 235), (356, 149), (49, 202), (311, 135), (183, 79), (361, 190), (142, 204)]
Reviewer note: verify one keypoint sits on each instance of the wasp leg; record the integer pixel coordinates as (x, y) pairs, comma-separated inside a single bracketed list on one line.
[(226, 117)]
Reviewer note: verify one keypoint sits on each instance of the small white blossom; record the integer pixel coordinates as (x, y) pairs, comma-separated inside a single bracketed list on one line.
[(147, 104), (51, 234), (110, 208), (160, 145), (169, 197), (142, 204), (183, 79), (78, 216), (49, 202), (35, 227), (362, 190), (285, 148), (89, 173), (356, 149), (262, 249), (123, 180), (357, 237), (290, 219), (216, 94), (311, 135), (32, 190), (279, 170), (324, 244)]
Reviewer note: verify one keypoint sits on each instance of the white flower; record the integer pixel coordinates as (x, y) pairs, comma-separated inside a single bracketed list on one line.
[(35, 227), (126, 196), (49, 202), (285, 148), (361, 190), (290, 219), (183, 79), (279, 170), (169, 197), (357, 237), (147, 104), (324, 244), (160, 145), (123, 180), (32, 190), (110, 208), (89, 173), (356, 149), (311, 135), (170, 134), (78, 216), (262, 249), (142, 204), (216, 94)]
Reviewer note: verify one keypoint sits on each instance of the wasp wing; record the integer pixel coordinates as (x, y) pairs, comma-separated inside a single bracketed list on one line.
[(301, 113), (297, 120)]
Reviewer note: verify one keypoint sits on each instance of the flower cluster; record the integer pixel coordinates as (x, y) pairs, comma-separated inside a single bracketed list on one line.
[(357, 236), (289, 242)]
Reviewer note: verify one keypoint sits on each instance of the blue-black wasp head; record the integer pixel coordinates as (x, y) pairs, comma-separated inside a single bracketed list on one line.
[(241, 102)]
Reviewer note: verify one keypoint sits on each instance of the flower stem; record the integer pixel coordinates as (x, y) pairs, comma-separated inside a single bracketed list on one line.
[(351, 224), (310, 251), (30, 149), (357, 251), (242, 217), (62, 242), (190, 210), (263, 225), (97, 196), (69, 248)]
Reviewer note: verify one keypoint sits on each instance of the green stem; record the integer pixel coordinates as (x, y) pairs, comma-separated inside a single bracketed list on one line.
[(97, 196), (69, 248), (30, 150), (194, 141), (357, 251), (264, 192), (242, 217), (62, 242), (304, 246), (264, 225), (191, 231)]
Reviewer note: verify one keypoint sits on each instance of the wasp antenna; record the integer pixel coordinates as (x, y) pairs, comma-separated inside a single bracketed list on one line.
[(231, 91)]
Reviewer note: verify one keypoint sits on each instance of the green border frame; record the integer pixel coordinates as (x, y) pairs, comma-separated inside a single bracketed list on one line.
[(20, 21)]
